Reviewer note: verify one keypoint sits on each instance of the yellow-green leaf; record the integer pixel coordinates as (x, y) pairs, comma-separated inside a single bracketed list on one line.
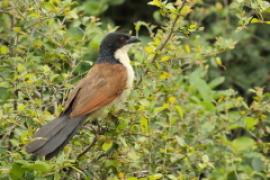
[(186, 10), (144, 125), (187, 48), (4, 49), (243, 144), (165, 58), (107, 145), (250, 122), (155, 176), (180, 111), (155, 3)]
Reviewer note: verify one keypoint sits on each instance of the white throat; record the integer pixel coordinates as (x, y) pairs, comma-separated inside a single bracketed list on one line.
[(122, 56)]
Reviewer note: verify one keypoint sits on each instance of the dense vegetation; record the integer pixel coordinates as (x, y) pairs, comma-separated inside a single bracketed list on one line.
[(200, 105)]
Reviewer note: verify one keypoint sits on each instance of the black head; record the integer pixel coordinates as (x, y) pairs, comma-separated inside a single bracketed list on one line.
[(114, 41)]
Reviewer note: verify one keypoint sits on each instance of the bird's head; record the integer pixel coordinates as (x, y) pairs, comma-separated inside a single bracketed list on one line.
[(115, 41)]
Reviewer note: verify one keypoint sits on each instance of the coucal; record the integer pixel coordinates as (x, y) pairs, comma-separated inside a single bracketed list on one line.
[(108, 81)]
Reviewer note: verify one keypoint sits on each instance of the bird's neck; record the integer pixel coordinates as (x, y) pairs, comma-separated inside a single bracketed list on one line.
[(106, 56), (119, 56)]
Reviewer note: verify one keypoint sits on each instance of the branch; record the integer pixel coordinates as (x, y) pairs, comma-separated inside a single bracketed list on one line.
[(165, 42), (108, 152), (88, 147), (69, 170)]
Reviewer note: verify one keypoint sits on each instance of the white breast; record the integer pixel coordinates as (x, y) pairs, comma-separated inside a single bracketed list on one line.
[(122, 56)]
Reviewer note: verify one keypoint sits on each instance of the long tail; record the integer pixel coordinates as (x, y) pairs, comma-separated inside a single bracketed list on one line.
[(52, 137)]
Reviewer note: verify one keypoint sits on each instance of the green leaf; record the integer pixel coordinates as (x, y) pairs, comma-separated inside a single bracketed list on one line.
[(132, 155), (243, 144), (256, 20), (155, 176), (257, 164), (216, 82), (40, 166), (162, 108), (21, 68), (107, 145), (17, 171), (205, 158), (157, 3), (207, 127), (144, 125), (180, 141), (186, 10), (75, 33), (180, 111), (4, 94), (250, 122), (225, 43), (95, 8), (204, 90), (4, 49), (21, 168)]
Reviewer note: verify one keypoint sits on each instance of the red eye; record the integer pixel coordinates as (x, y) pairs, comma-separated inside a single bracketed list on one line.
[(122, 38)]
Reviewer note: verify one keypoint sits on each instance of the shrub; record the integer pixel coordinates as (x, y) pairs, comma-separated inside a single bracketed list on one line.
[(176, 124)]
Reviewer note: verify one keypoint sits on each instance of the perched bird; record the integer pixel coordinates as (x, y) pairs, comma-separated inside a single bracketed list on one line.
[(108, 81)]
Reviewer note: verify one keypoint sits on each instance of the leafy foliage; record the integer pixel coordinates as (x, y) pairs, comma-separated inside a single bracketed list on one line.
[(177, 123)]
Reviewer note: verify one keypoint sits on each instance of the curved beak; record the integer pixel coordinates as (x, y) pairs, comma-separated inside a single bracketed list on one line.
[(133, 39)]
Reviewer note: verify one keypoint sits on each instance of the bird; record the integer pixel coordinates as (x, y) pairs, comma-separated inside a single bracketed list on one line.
[(108, 82)]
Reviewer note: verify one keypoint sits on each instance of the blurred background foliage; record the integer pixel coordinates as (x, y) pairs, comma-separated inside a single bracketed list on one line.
[(200, 105)]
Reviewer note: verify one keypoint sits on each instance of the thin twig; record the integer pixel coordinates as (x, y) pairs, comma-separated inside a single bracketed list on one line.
[(165, 42), (39, 21), (108, 152), (70, 169), (88, 147), (137, 134)]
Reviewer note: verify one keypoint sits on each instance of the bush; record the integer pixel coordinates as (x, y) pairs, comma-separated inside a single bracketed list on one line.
[(177, 123)]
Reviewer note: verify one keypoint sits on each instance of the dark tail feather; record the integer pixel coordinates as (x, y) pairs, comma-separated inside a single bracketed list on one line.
[(51, 138)]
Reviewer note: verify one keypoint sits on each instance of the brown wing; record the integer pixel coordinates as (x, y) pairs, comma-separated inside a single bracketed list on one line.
[(100, 87)]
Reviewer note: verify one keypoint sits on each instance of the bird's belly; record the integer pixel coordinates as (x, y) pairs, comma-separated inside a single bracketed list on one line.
[(117, 104)]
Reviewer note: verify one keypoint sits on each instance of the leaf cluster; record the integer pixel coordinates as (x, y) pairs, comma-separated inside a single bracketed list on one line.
[(177, 123)]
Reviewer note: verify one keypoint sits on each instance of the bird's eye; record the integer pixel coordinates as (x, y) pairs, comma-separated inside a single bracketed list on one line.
[(122, 38)]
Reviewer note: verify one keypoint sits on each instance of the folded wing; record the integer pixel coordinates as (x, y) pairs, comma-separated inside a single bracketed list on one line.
[(102, 85)]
